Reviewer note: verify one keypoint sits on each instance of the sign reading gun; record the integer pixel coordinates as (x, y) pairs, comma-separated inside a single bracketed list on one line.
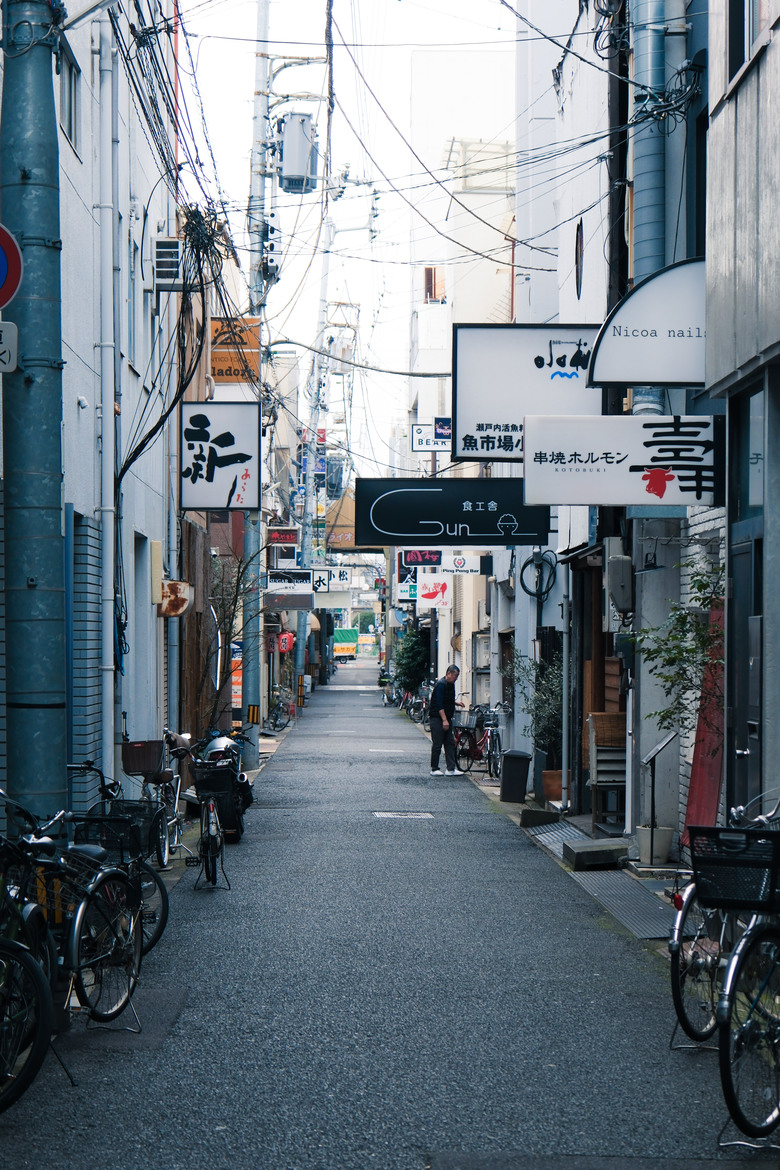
[(454, 512)]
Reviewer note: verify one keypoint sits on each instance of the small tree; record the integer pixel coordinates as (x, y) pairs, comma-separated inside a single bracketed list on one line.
[(411, 660), (686, 653), (540, 687)]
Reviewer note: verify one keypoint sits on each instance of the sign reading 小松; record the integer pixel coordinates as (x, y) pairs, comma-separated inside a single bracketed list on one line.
[(625, 460)]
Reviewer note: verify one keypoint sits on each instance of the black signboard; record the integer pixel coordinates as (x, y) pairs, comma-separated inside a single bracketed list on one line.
[(455, 513)]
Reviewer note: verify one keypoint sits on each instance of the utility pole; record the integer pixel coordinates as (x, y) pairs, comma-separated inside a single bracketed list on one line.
[(318, 374), (32, 415), (257, 227)]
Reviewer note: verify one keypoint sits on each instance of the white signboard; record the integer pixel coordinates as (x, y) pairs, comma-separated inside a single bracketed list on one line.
[(290, 581), (656, 336), (624, 460), (434, 592), (501, 373), (458, 564), (220, 455), (423, 439), (326, 580)]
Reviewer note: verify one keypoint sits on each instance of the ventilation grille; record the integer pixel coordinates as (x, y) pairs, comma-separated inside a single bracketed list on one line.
[(168, 265)]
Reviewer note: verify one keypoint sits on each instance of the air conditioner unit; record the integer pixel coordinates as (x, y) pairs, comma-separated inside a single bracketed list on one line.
[(168, 264)]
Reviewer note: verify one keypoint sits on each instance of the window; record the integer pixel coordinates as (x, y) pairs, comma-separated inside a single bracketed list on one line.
[(434, 286), (70, 81), (747, 20)]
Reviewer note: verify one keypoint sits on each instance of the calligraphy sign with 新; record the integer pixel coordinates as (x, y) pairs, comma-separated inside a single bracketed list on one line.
[(220, 456)]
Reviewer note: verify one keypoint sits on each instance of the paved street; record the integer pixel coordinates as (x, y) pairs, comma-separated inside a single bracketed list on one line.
[(399, 992)]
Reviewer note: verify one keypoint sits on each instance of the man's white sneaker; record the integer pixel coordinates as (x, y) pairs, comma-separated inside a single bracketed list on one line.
[(436, 772), (454, 772)]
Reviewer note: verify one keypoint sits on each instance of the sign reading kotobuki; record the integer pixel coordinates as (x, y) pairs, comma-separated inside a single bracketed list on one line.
[(220, 455), (447, 512), (625, 460), (501, 373)]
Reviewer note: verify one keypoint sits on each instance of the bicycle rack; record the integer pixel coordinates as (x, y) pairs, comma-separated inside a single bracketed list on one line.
[(689, 1045), (764, 1145)]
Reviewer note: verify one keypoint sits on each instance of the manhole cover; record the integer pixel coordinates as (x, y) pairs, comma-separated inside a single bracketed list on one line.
[(410, 816)]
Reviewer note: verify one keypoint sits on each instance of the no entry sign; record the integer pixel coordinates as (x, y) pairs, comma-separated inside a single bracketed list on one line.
[(10, 267)]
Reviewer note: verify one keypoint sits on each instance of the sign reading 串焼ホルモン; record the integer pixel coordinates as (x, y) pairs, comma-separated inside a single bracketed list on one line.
[(485, 513), (501, 373), (220, 456), (625, 460)]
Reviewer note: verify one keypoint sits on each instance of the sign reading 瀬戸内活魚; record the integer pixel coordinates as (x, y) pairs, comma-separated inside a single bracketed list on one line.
[(625, 460), (501, 373)]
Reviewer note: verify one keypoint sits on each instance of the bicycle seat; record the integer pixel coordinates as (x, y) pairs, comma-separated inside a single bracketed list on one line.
[(92, 852)]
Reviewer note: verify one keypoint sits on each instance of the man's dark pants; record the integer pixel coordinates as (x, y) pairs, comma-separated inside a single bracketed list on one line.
[(441, 738)]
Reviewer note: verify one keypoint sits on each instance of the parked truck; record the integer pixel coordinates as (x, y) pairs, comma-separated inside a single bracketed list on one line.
[(345, 644)]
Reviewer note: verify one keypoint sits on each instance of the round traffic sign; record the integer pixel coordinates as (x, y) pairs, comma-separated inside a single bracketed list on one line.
[(10, 267)]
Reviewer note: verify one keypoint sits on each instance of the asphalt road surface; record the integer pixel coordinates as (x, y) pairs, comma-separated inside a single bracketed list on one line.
[(398, 978)]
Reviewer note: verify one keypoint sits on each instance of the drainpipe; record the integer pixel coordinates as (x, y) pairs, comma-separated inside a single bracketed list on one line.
[(107, 390), (649, 253)]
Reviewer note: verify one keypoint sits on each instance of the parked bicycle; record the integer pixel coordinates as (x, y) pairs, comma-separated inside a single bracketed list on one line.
[(281, 710), (734, 959), (93, 910), (26, 1020), (111, 824), (704, 937), (215, 791), (482, 747)]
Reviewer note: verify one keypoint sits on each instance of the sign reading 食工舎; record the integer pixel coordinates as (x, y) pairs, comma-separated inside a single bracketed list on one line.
[(625, 460), (447, 513), (501, 373), (220, 456)]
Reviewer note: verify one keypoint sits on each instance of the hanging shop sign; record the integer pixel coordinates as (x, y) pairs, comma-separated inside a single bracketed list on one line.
[(449, 512), (235, 349), (412, 557), (286, 642), (325, 580), (292, 581), (284, 535), (625, 460), (656, 335), (220, 456), (501, 373), (425, 439), (434, 592)]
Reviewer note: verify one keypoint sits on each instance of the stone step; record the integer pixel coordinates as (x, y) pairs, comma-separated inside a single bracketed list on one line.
[(588, 854)]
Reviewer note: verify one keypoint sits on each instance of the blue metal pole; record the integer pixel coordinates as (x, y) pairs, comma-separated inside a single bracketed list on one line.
[(32, 416)]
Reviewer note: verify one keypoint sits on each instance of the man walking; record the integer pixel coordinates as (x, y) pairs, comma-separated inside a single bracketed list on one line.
[(442, 709)]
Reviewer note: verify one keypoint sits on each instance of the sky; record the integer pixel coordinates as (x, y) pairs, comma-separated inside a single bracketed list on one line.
[(375, 42)]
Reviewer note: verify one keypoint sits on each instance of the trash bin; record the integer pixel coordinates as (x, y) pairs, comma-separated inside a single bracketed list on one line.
[(514, 775)]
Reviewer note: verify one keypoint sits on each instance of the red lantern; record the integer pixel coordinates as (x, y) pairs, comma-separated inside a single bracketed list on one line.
[(286, 642)]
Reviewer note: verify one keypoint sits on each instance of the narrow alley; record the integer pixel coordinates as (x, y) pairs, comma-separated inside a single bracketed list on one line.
[(398, 978)]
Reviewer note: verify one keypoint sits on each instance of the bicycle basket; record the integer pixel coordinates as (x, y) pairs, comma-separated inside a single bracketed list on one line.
[(736, 869), (465, 719), (120, 836), (143, 756)]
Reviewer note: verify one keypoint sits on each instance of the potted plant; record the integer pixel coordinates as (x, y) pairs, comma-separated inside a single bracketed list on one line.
[(540, 688)]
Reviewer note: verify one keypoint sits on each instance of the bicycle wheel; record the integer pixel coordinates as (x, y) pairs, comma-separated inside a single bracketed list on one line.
[(26, 1020), (210, 863), (154, 907), (108, 939), (162, 844), (749, 1039), (695, 966), (465, 750), (495, 759)]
